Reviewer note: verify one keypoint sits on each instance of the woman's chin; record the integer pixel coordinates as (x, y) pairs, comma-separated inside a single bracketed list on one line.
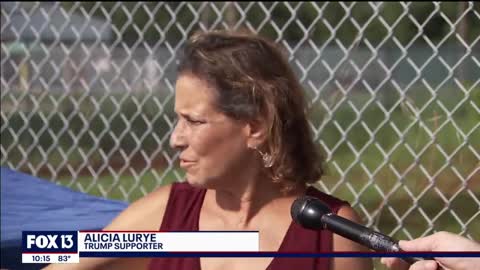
[(194, 181), (198, 182)]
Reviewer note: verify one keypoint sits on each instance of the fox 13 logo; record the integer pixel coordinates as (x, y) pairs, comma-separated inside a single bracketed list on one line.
[(49, 241)]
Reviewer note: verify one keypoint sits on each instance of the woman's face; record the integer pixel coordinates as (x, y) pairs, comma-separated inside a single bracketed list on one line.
[(213, 146)]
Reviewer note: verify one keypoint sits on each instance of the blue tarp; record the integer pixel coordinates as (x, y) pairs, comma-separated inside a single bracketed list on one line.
[(29, 203)]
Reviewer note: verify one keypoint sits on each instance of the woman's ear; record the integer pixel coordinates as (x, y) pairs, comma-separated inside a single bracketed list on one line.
[(256, 132)]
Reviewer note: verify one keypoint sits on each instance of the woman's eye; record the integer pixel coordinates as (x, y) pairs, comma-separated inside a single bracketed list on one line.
[(194, 122)]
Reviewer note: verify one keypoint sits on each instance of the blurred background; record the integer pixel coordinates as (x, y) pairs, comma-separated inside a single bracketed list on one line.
[(87, 93)]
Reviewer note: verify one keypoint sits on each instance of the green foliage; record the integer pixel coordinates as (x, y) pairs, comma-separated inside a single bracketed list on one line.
[(419, 136), (155, 22), (128, 124)]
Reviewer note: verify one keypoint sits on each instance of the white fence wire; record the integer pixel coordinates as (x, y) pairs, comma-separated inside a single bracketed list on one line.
[(87, 94)]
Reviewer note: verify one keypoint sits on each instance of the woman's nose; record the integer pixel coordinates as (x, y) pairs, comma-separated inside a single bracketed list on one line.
[(177, 139)]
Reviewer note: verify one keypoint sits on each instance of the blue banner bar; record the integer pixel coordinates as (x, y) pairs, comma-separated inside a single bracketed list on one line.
[(279, 254)]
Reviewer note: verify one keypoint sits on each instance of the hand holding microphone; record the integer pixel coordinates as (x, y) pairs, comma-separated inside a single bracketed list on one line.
[(313, 214), (440, 241)]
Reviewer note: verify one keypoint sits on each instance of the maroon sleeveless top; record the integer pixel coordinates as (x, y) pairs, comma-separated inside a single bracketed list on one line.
[(183, 212)]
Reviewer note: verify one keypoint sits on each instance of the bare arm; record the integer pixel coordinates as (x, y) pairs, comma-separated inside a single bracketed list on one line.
[(145, 214), (343, 244)]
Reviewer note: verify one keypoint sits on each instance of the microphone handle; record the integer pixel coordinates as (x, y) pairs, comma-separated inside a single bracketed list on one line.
[(365, 236)]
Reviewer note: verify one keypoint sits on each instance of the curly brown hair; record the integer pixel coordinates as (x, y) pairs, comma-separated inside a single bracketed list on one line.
[(253, 81)]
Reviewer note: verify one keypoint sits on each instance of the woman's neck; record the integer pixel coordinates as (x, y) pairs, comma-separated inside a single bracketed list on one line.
[(240, 204)]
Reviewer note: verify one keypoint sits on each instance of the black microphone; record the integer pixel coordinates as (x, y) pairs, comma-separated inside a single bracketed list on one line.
[(313, 214)]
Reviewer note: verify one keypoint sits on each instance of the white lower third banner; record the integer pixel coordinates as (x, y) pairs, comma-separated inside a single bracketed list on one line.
[(68, 246), (168, 241)]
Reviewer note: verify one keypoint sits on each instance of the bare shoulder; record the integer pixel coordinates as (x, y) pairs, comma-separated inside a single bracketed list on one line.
[(349, 213), (343, 244), (145, 214)]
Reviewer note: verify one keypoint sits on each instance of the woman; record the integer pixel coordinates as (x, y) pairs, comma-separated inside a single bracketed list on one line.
[(246, 147)]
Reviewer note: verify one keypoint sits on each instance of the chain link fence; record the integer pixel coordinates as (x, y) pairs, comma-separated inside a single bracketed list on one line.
[(87, 94)]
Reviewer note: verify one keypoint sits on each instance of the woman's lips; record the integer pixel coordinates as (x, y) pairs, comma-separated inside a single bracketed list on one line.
[(186, 163)]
